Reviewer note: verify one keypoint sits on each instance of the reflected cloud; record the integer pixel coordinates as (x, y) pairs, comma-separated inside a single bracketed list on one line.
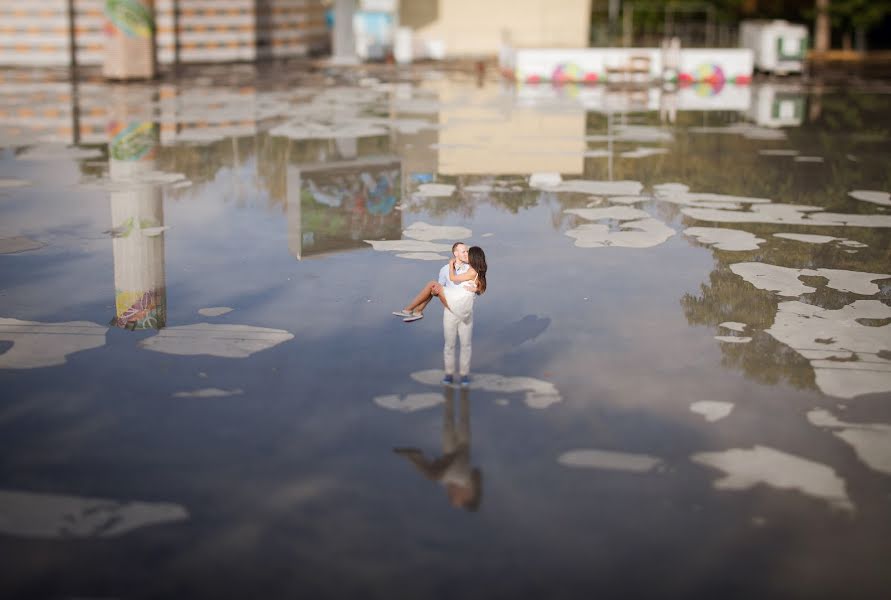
[(225, 341), (712, 410), (870, 441), (62, 517), (747, 468), (214, 311), (610, 461), (36, 345), (209, 393)]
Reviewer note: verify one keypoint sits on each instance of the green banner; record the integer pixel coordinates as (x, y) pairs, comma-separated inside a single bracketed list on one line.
[(132, 17)]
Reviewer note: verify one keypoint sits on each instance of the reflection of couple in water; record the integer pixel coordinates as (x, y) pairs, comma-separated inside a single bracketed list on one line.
[(460, 282), (463, 483)]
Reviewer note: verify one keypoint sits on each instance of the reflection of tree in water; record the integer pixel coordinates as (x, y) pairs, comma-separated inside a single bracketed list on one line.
[(728, 297)]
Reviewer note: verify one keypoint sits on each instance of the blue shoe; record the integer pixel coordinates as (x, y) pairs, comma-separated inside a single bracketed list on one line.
[(448, 380), (465, 380)]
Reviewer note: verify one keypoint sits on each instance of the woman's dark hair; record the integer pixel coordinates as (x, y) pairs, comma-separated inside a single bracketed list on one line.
[(477, 260)]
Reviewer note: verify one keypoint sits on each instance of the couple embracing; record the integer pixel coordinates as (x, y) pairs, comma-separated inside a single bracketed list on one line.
[(460, 282)]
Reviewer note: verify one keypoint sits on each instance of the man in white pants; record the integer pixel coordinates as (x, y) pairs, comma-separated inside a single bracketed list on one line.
[(452, 326)]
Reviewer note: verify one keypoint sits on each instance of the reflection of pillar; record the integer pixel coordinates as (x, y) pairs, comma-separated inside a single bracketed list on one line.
[(137, 217), (295, 224), (129, 39)]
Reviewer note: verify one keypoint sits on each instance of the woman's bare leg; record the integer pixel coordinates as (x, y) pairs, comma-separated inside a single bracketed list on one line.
[(420, 301)]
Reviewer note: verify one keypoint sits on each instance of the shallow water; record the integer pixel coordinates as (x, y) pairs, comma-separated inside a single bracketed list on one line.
[(205, 394)]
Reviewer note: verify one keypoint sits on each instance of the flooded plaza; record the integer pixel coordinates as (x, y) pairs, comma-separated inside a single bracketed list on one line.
[(681, 372)]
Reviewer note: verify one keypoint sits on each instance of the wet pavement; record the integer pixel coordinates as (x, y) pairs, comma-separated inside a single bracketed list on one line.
[(681, 368)]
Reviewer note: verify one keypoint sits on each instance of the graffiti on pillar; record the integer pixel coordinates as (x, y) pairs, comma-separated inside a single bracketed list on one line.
[(132, 17), (140, 310), (132, 141)]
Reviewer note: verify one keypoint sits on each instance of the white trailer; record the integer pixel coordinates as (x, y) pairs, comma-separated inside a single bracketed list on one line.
[(779, 46)]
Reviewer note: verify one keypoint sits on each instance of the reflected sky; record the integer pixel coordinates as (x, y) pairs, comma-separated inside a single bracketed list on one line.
[(682, 365)]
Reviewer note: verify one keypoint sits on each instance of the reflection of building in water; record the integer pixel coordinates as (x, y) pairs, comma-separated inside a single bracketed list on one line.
[(137, 215), (463, 483), (335, 206), (778, 105)]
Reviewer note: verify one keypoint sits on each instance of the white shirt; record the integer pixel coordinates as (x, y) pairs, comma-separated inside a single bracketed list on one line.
[(444, 275)]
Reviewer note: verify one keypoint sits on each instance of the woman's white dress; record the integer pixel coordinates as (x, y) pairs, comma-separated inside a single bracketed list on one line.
[(460, 299)]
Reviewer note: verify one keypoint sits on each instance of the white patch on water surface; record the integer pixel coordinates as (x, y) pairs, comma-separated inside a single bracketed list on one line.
[(670, 188), (7, 183), (58, 152), (782, 280), (209, 393), (870, 441), (538, 180), (424, 231), (856, 282), (610, 461), (712, 410), (214, 311), (408, 246), (746, 468), (733, 339), (873, 196), (706, 199), (301, 129), (807, 238), (641, 134), (478, 189), (487, 235), (808, 159), (778, 152), (785, 281), (62, 517), (787, 214), (226, 341), (618, 213), (409, 402), (418, 106), (643, 152), (725, 239), (596, 153), (853, 244), (538, 394), (18, 244), (733, 326), (423, 256), (644, 233), (747, 130), (435, 190), (843, 352), (601, 188), (36, 345)]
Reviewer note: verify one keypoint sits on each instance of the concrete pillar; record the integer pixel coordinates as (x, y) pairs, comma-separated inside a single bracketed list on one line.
[(129, 39), (344, 42), (137, 213)]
